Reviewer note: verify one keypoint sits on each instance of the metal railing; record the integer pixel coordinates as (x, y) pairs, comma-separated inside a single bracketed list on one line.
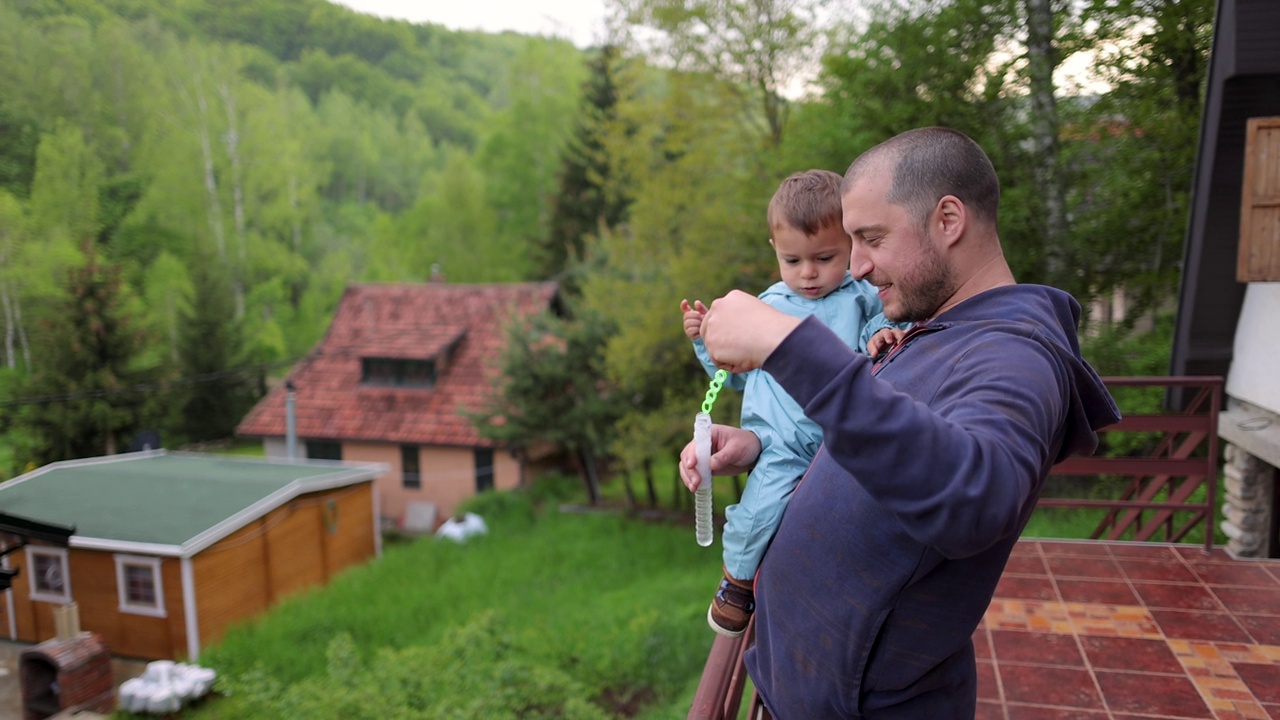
[(724, 677), (1164, 481)]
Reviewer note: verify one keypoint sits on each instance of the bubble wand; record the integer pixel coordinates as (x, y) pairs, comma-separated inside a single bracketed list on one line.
[(702, 507)]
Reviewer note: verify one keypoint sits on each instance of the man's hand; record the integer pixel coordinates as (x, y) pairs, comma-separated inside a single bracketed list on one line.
[(733, 451), (741, 331), (693, 318), (883, 340)]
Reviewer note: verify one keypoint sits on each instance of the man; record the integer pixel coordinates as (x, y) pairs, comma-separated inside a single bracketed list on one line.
[(933, 455)]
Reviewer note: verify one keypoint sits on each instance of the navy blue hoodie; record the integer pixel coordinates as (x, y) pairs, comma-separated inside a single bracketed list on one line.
[(891, 548)]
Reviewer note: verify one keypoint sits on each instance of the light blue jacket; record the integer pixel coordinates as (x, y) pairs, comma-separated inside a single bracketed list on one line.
[(788, 439)]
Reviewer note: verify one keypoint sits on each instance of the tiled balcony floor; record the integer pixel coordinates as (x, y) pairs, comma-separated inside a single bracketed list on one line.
[(1122, 631)]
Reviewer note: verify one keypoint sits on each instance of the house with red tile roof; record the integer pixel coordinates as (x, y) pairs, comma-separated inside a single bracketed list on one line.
[(392, 381)]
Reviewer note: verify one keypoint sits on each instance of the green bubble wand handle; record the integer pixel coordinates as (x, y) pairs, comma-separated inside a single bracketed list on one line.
[(702, 504)]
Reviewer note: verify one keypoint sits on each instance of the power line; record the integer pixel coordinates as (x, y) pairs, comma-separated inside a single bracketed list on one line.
[(146, 387)]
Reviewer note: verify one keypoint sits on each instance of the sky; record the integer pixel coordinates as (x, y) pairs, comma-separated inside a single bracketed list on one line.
[(581, 21)]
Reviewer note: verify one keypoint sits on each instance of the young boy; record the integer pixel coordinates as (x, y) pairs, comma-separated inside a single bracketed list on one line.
[(813, 259)]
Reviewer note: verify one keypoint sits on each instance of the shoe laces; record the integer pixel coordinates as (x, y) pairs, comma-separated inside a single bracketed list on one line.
[(739, 597)]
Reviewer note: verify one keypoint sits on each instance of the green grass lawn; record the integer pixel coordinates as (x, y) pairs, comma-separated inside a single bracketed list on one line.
[(595, 608), (587, 615)]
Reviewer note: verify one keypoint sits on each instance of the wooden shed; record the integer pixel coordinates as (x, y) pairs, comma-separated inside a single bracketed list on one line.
[(172, 548)]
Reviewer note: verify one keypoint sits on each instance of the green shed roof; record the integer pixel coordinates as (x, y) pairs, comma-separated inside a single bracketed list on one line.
[(177, 502)]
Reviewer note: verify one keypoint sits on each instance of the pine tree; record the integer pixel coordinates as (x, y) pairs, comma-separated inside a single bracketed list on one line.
[(211, 345), (92, 393), (586, 199)]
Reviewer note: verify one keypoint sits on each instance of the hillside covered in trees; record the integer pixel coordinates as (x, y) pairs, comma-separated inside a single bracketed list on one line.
[(186, 187)]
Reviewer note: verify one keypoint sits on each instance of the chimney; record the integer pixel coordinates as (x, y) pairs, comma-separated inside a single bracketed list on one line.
[(291, 425), (66, 621)]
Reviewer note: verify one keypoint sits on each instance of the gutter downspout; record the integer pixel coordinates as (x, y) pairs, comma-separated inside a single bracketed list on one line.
[(189, 609)]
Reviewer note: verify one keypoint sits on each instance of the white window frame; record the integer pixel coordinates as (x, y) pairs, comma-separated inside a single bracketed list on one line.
[(61, 555), (122, 585)]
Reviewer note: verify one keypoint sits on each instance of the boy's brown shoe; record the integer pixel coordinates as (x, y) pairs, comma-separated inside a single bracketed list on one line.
[(732, 607)]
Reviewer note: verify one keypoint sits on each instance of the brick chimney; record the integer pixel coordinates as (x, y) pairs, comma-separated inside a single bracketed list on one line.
[(71, 672)]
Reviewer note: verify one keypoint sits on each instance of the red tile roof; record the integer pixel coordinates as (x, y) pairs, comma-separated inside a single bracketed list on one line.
[(402, 322)]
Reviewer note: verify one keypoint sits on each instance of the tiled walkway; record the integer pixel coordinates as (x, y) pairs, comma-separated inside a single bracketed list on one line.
[(1122, 631)]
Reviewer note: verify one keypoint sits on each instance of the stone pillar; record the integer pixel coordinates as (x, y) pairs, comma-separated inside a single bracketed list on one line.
[(1249, 502)]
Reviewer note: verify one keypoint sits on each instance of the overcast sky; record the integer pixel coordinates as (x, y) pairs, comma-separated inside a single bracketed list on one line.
[(581, 21)]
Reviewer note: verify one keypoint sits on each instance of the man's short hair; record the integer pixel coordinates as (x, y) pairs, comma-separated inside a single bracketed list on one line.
[(929, 163), (808, 201)]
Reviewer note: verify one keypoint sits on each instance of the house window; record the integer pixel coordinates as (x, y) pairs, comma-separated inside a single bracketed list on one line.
[(138, 585), (484, 469), (324, 450), (50, 578), (398, 372), (409, 467)]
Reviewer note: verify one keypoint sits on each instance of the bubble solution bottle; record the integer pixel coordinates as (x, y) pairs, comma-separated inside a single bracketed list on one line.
[(702, 507)]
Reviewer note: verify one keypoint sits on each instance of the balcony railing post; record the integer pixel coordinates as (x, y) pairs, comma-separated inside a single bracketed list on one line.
[(724, 677), (1211, 460)]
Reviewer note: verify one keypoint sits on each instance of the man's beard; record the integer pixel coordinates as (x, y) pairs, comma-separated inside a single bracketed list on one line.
[(924, 288)]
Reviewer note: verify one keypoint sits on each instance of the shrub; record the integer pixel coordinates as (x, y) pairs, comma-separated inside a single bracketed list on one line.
[(476, 671), (556, 489), (501, 510)]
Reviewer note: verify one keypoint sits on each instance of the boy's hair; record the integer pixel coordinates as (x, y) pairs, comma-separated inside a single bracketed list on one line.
[(808, 201)]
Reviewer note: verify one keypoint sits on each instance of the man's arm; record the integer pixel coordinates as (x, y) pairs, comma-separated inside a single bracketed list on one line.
[(960, 475)]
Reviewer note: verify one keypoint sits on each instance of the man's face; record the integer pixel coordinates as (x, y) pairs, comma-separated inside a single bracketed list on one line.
[(894, 252), (812, 265)]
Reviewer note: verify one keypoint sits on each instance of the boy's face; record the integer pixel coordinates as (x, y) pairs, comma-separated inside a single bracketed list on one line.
[(812, 265)]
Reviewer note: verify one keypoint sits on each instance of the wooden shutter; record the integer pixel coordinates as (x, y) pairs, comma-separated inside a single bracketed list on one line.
[(1259, 258)]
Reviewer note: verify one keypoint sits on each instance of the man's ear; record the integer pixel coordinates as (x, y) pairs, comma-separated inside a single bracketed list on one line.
[(950, 218)]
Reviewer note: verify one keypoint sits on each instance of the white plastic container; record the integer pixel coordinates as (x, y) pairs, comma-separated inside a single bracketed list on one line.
[(702, 505)]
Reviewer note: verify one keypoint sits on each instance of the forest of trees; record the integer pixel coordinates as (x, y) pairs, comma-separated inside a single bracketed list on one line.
[(703, 106), (186, 187)]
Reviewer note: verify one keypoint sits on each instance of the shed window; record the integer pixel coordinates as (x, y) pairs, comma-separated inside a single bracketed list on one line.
[(138, 585), (50, 579)]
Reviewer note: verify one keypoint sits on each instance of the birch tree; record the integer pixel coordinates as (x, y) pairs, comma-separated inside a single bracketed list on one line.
[(761, 48), (1042, 60), (12, 239)]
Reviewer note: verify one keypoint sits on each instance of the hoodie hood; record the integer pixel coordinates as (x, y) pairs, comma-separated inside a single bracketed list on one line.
[(1052, 316)]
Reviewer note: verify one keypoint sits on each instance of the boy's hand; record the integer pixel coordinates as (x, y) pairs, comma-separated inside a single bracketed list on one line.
[(693, 318), (883, 340)]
